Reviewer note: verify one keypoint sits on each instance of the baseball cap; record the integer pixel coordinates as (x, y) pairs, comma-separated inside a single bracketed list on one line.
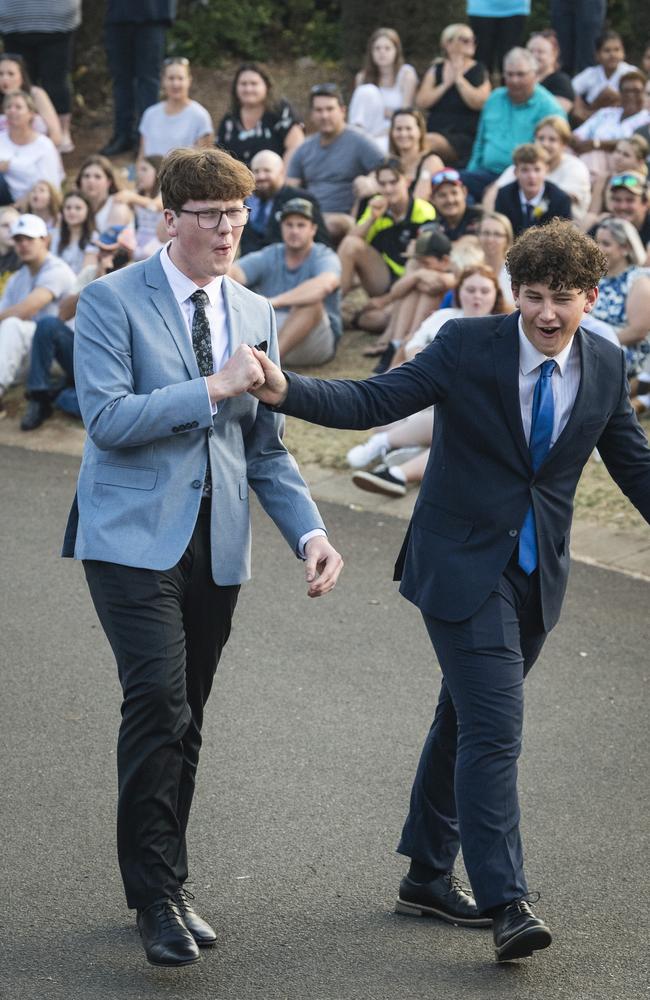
[(29, 225), (446, 176), (631, 180), (432, 242), (298, 206), (114, 237)]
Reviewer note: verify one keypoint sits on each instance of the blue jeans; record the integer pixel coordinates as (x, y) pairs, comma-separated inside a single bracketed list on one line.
[(53, 341)]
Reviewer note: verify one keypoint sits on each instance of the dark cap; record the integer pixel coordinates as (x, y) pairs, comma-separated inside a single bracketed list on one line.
[(432, 242), (298, 206)]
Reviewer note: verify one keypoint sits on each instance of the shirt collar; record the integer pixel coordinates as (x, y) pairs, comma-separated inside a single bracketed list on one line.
[(530, 358), (531, 201), (183, 287)]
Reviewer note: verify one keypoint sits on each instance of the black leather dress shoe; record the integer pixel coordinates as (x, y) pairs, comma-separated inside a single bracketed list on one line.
[(165, 937), (444, 897), (517, 931), (37, 412), (200, 930), (117, 144)]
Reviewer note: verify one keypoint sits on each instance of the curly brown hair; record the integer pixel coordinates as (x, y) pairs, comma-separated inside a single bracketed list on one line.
[(189, 174), (557, 255)]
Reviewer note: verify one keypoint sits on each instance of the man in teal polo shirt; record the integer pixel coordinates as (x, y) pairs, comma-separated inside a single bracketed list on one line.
[(508, 119)]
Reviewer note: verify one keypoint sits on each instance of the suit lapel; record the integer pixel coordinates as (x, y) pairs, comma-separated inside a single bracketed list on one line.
[(506, 361), (233, 314), (167, 306)]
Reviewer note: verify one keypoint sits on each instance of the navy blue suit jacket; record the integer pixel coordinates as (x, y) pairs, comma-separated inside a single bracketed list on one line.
[(508, 203), (479, 480)]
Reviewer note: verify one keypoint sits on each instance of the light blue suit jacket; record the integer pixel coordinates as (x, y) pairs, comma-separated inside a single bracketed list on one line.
[(151, 432)]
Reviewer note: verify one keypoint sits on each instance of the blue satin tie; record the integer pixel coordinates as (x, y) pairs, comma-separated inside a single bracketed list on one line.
[(541, 431)]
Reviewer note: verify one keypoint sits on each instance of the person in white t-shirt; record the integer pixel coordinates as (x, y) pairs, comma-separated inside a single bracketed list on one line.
[(178, 120), (597, 86), (385, 84), (25, 156)]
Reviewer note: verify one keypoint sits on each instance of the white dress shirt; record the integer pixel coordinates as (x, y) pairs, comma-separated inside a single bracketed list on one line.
[(182, 289), (564, 382)]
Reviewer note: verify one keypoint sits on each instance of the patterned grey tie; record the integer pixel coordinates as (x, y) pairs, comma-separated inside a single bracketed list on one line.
[(201, 339), (202, 344)]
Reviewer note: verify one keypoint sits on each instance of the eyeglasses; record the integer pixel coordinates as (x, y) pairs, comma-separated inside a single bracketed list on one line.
[(465, 39), (176, 61), (210, 218)]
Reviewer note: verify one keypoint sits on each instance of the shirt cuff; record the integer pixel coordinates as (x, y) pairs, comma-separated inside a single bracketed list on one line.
[(305, 538), (213, 406)]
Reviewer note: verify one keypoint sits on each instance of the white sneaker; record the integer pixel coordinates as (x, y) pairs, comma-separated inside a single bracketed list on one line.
[(363, 454)]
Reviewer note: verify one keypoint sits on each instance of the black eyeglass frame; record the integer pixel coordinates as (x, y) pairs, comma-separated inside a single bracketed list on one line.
[(218, 214)]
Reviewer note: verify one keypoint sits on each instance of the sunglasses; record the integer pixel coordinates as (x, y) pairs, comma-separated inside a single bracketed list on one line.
[(628, 181), (446, 175), (324, 88), (176, 61)]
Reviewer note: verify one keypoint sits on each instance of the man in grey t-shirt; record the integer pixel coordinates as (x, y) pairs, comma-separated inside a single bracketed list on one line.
[(31, 293), (300, 278), (328, 163)]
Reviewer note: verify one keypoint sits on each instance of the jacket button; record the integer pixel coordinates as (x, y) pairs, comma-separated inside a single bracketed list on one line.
[(174, 430), (210, 432), (513, 532), (197, 484)]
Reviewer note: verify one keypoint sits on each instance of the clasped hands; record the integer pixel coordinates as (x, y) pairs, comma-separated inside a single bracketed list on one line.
[(250, 370)]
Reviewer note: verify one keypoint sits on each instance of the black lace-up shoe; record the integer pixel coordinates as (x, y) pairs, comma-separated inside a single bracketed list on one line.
[(200, 930), (517, 931), (165, 937), (444, 897)]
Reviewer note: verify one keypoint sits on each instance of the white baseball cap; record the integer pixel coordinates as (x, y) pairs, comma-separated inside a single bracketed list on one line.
[(29, 225)]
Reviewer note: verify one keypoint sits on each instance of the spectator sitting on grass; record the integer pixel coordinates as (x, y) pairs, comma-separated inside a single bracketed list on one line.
[(271, 193), (300, 278), (509, 117), (33, 292), (531, 199), (429, 275), (375, 250), (453, 214), (327, 164), (54, 335)]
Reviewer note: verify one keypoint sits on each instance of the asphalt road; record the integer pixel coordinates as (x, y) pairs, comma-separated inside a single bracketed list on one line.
[(311, 740)]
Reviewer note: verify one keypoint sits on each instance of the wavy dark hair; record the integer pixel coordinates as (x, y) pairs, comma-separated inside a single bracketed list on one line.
[(87, 226), (154, 161), (557, 255), (105, 165)]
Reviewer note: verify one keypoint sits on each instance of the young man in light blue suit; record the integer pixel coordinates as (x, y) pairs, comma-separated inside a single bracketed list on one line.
[(163, 362)]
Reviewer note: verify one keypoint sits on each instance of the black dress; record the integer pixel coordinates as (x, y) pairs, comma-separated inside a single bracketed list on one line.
[(269, 133), (451, 117)]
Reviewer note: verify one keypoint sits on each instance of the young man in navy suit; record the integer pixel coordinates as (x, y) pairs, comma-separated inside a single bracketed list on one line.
[(531, 200), (521, 402)]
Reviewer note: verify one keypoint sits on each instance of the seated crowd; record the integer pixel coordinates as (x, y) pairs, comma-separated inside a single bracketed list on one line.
[(394, 217)]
